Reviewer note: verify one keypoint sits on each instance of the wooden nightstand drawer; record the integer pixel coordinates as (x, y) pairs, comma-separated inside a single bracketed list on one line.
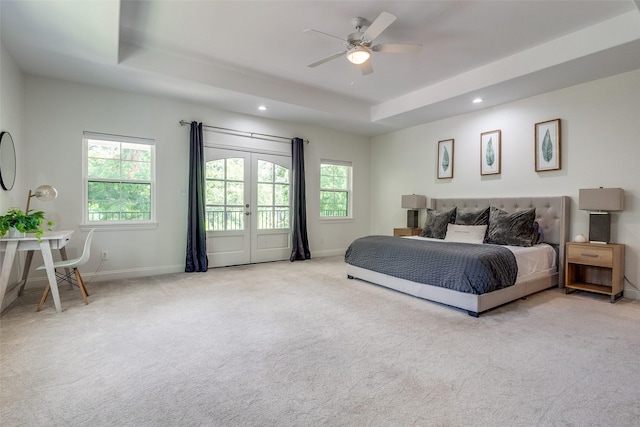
[(399, 232), (590, 254), (595, 268)]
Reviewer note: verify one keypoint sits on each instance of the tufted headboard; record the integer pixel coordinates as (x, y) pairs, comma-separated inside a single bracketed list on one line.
[(552, 213)]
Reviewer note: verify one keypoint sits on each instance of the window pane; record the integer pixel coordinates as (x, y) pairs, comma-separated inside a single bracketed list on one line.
[(103, 149), (282, 174), (265, 171), (265, 194), (136, 152), (215, 192), (235, 193), (235, 169), (265, 218), (235, 218), (215, 218), (334, 203), (281, 219), (136, 171), (103, 168), (135, 202), (281, 194), (215, 169)]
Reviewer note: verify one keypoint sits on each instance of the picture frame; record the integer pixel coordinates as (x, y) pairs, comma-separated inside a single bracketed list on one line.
[(547, 146), (490, 152), (445, 158)]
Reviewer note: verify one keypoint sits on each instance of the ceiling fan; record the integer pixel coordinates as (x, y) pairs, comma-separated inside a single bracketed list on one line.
[(359, 45)]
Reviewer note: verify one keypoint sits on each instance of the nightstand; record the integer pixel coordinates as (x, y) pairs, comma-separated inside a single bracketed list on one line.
[(399, 232), (595, 268)]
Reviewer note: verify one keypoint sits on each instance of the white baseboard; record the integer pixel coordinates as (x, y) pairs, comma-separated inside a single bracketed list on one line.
[(328, 252), (632, 293), (41, 282)]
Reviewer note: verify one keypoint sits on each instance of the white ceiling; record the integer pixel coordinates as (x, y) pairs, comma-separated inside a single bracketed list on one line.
[(235, 55)]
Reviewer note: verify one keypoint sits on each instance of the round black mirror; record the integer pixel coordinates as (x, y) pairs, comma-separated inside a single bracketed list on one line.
[(7, 161)]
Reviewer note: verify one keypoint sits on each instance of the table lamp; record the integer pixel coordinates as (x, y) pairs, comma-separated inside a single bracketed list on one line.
[(43, 192), (413, 202), (600, 201)]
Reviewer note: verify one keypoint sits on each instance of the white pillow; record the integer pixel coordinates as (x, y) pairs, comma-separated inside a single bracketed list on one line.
[(465, 233)]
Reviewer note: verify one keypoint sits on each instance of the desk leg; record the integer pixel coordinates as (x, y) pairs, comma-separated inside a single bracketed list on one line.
[(25, 273), (9, 256), (51, 273)]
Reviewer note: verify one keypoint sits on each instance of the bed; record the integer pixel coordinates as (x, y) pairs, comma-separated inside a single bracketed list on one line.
[(551, 215)]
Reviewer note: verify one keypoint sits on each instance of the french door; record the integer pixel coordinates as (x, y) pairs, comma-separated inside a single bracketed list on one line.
[(247, 206)]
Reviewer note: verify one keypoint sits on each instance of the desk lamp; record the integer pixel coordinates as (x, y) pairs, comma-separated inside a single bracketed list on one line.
[(43, 192)]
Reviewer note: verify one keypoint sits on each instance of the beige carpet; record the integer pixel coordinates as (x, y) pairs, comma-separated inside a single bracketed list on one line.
[(298, 344)]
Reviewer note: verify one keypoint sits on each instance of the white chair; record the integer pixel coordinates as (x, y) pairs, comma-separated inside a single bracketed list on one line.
[(70, 268)]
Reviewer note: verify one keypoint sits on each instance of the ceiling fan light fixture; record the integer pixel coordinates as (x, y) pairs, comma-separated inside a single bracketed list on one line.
[(358, 55)]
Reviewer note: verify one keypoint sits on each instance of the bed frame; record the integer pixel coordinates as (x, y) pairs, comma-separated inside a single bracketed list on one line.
[(552, 213)]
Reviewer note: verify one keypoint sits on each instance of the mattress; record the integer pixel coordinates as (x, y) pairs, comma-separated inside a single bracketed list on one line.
[(540, 258)]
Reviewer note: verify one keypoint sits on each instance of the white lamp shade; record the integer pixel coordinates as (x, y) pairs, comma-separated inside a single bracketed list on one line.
[(46, 192), (414, 201), (358, 55), (601, 199)]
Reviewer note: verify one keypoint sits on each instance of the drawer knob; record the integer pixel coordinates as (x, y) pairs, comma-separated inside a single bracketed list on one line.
[(590, 255)]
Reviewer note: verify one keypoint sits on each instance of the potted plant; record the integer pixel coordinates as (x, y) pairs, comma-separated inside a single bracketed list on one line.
[(23, 222)]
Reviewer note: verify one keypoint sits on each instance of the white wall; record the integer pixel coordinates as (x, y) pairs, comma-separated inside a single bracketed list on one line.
[(600, 148), (11, 120), (58, 112)]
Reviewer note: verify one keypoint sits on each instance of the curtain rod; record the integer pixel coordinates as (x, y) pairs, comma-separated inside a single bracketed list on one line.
[(251, 135)]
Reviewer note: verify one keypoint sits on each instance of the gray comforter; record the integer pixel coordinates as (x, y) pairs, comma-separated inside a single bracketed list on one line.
[(463, 267)]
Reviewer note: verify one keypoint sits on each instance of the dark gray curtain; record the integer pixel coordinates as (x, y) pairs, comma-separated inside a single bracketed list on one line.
[(196, 229), (299, 240)]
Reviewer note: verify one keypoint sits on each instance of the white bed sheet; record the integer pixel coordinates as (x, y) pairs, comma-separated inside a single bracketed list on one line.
[(530, 260)]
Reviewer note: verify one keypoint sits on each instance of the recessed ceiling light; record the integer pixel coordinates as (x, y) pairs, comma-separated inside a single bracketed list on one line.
[(262, 108), (477, 100)]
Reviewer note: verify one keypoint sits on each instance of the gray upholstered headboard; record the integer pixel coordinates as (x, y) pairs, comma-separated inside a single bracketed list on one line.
[(552, 213)]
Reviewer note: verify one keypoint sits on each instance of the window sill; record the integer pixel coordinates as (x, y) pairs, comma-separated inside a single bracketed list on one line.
[(337, 219), (119, 226)]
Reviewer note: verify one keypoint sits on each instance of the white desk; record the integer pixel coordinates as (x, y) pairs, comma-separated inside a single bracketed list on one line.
[(48, 241)]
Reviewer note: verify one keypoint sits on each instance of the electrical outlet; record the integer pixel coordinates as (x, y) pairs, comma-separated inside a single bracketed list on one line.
[(105, 255)]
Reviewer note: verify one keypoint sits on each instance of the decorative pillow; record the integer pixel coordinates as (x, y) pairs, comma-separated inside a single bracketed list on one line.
[(538, 233), (465, 233), (436, 224), (472, 216), (515, 229)]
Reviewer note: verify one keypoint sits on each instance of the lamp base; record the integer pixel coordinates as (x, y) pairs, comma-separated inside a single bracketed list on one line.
[(412, 218), (599, 227)]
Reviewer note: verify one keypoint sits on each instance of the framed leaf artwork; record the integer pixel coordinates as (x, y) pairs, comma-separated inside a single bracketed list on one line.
[(445, 159), (490, 152), (547, 145)]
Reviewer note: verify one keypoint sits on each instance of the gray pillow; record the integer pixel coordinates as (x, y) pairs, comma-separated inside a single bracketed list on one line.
[(472, 216), (515, 229), (436, 224)]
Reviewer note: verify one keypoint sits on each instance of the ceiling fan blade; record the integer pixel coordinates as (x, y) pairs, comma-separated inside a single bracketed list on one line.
[(378, 26), (397, 48), (320, 33), (327, 59), (366, 68)]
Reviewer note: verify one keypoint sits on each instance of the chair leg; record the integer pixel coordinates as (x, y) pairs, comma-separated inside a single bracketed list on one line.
[(83, 288), (45, 294)]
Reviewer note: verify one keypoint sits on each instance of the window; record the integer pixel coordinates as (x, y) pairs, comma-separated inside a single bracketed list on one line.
[(120, 179), (224, 200), (273, 196), (335, 189)]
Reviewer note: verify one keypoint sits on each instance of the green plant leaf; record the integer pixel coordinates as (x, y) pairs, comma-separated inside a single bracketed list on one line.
[(490, 155), (445, 160), (547, 147)]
